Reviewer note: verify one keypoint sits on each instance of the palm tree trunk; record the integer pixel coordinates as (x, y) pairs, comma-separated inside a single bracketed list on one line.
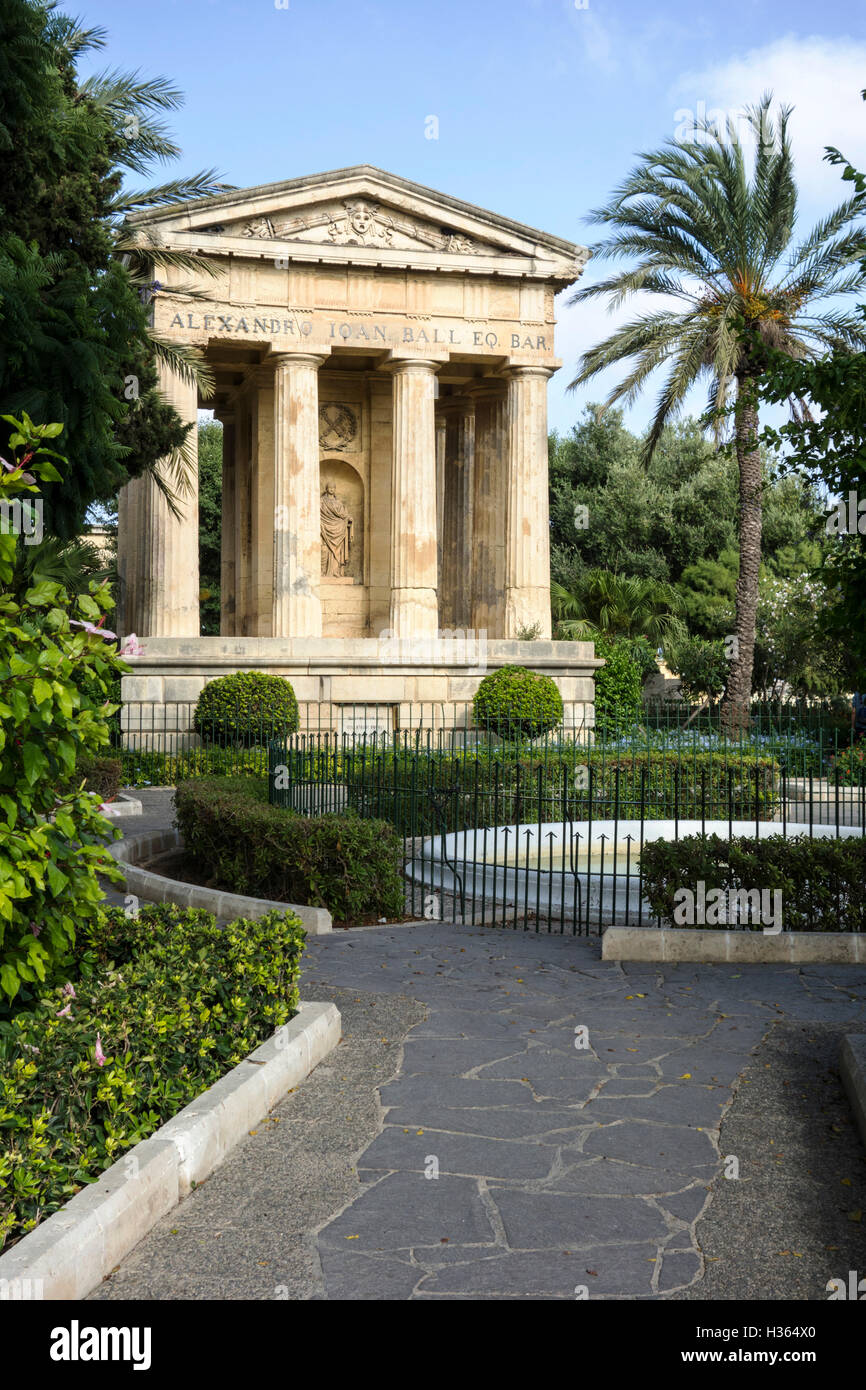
[(735, 705)]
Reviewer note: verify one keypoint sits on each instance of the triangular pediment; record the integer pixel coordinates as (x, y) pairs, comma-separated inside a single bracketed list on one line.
[(368, 212)]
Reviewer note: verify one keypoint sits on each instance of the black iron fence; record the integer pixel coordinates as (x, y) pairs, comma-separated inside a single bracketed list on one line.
[(572, 837)]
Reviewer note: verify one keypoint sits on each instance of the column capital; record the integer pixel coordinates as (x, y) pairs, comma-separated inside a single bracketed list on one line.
[(298, 359), (522, 373), (412, 366)]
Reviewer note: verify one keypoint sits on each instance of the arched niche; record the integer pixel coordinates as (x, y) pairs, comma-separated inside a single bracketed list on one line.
[(348, 487)]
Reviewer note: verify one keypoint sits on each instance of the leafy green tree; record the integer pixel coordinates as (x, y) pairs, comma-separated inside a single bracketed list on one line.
[(700, 225), (53, 648), (75, 335)]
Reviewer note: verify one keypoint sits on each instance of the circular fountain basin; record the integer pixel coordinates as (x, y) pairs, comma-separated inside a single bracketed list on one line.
[(573, 868)]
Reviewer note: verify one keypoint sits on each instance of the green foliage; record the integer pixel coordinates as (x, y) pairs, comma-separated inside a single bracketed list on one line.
[(436, 793), (848, 765), (708, 589), (701, 666), (822, 881), (515, 702), (75, 338), (174, 1002), (617, 687), (246, 708), (51, 834), (237, 841), (600, 602), (210, 464)]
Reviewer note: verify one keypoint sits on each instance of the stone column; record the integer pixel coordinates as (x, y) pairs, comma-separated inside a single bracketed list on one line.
[(455, 591), (441, 427), (158, 552), (228, 570), (414, 606), (527, 529), (489, 512), (243, 518), (297, 610)]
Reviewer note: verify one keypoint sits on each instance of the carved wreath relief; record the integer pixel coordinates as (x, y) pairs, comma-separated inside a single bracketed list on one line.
[(338, 426)]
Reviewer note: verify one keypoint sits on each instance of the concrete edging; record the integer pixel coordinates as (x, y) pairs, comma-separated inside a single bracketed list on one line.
[(852, 1065), (226, 907), (71, 1252), (718, 947), (123, 806)]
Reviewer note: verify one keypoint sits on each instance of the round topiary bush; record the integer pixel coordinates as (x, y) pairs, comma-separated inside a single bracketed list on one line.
[(517, 703), (245, 708)]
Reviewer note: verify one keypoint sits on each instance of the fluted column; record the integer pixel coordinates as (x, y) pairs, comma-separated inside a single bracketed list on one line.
[(489, 513), (297, 610), (158, 552), (441, 427), (228, 571), (414, 607), (456, 581), (527, 529), (243, 519)]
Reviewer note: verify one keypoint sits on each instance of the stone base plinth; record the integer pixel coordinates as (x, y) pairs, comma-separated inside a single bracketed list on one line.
[(346, 685)]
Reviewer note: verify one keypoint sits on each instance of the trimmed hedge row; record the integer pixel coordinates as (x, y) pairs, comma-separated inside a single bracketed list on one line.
[(421, 793), (102, 775), (822, 881), (170, 1002), (237, 841)]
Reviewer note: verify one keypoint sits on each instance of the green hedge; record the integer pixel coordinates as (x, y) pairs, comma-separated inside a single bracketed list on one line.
[(246, 707), (237, 841), (823, 881), (175, 1001), (515, 702), (421, 793)]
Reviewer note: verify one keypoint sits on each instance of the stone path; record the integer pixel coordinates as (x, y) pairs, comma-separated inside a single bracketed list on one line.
[(560, 1168)]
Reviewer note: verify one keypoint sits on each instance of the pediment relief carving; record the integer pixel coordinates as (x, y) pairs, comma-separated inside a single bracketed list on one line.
[(359, 222)]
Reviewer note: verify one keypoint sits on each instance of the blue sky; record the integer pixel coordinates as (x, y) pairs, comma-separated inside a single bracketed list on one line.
[(541, 105)]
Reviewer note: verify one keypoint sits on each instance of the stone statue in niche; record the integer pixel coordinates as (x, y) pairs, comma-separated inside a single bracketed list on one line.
[(337, 526)]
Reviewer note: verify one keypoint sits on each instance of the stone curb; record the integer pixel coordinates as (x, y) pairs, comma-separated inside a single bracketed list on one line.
[(852, 1065), (718, 947), (71, 1252), (124, 805), (226, 907)]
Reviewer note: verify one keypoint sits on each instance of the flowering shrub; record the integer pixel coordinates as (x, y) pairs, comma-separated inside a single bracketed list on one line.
[(848, 767), (160, 1006), (51, 832)]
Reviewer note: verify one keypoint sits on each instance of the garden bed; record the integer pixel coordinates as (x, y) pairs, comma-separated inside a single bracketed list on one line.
[(156, 1007)]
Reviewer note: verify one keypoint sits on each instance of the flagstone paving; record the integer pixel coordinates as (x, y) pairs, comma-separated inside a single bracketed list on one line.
[(463, 1142)]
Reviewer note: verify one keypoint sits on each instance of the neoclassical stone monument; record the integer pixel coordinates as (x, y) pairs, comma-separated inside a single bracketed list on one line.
[(381, 354)]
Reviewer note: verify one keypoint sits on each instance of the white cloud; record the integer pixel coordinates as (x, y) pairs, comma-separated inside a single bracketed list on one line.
[(821, 78)]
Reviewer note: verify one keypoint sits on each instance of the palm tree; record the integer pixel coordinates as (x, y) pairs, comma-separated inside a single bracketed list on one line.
[(716, 233), (599, 601)]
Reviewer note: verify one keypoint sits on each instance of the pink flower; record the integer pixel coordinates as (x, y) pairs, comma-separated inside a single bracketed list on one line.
[(95, 629), (65, 1013), (131, 646), (35, 928), (16, 467), (98, 1053), (68, 991)]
